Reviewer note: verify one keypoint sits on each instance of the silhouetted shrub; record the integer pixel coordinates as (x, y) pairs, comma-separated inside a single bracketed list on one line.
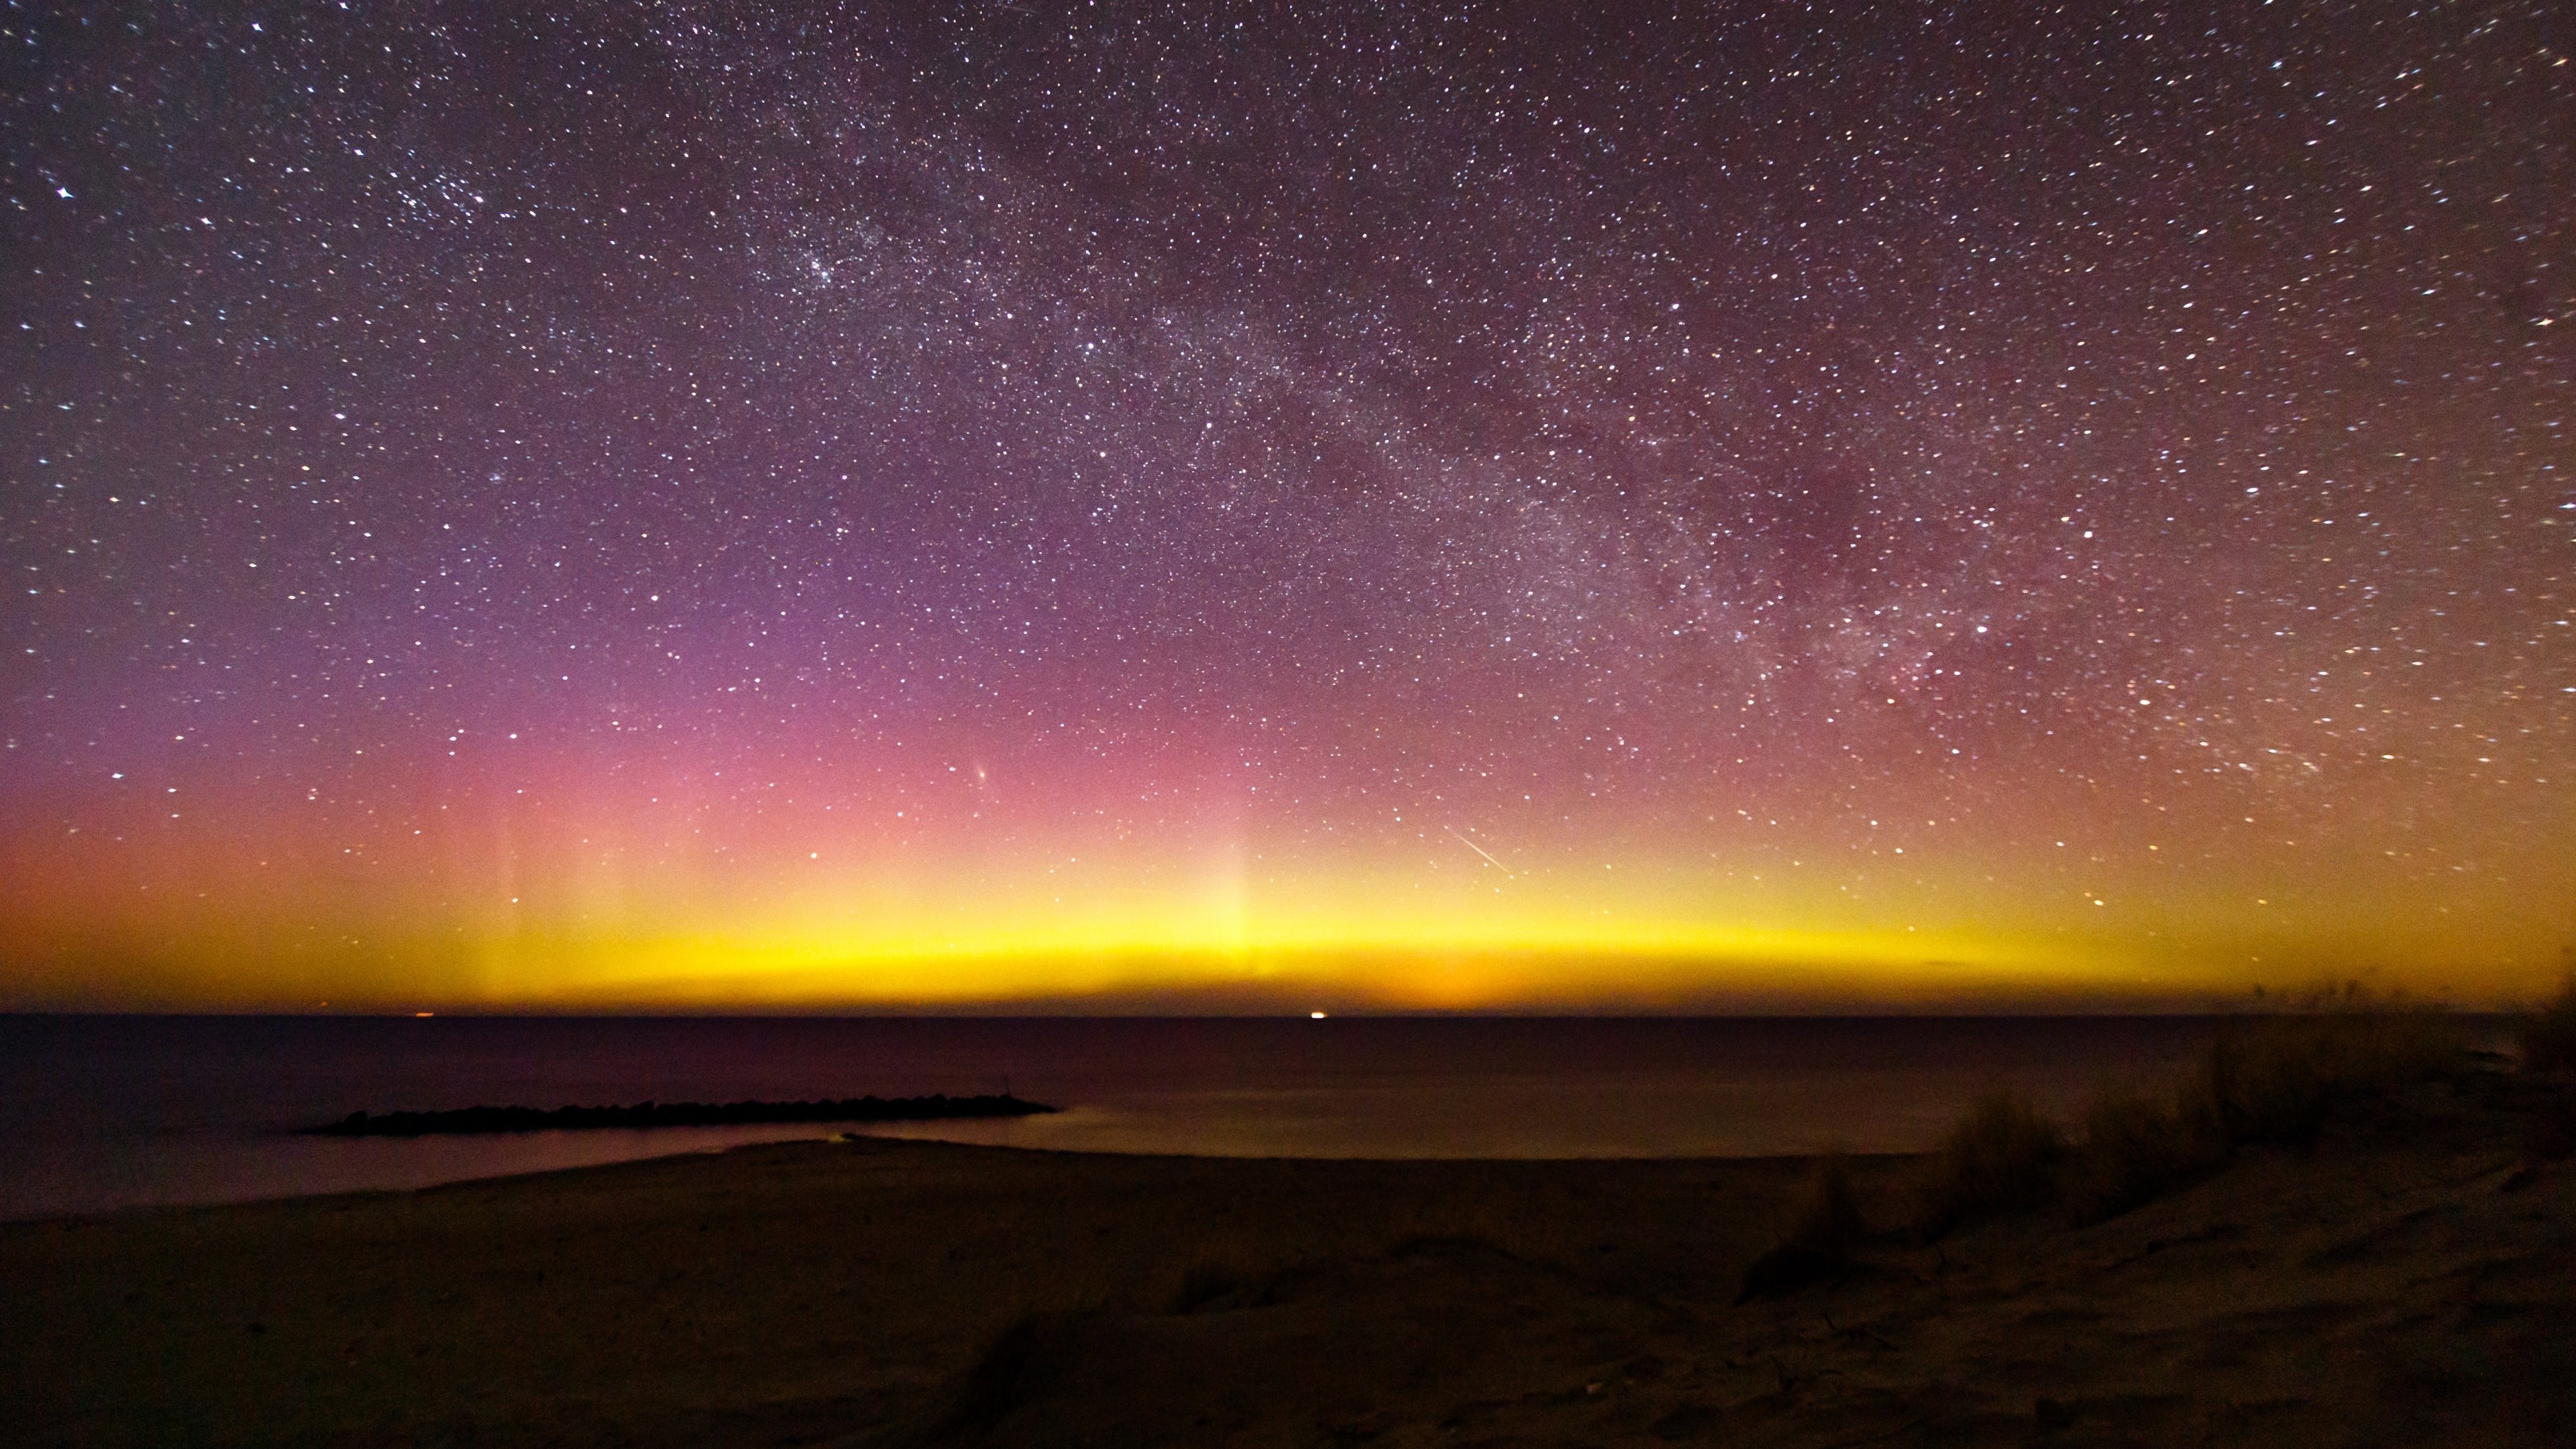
[(2273, 1079), (1997, 1160), (1824, 1224), (1827, 1215), (2269, 1079), (2548, 1036), (2137, 1148)]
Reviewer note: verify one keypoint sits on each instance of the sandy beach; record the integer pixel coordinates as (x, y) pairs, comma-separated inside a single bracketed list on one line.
[(2407, 1279)]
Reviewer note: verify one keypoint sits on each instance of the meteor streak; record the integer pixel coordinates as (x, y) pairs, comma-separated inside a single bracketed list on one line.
[(1480, 850)]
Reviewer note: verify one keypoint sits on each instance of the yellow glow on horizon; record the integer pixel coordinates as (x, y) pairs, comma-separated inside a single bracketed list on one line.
[(1428, 971), (1385, 940), (1227, 927)]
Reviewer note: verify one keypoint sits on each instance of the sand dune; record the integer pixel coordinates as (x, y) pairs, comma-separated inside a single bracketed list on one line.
[(2411, 1279)]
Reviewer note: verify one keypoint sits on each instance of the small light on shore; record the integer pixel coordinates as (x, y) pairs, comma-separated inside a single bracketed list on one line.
[(424, 1013), (1316, 1015)]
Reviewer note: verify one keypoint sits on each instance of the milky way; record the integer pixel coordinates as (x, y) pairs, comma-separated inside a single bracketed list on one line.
[(1446, 505)]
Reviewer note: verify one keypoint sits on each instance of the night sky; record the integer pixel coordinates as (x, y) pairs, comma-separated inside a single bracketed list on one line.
[(1426, 506)]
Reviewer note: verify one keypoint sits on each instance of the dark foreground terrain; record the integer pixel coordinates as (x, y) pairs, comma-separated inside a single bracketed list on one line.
[(2408, 1278)]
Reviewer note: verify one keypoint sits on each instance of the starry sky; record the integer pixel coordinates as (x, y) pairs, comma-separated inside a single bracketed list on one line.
[(1421, 506)]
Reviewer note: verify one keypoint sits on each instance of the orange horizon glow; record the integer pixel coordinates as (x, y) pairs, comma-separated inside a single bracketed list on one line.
[(1411, 923)]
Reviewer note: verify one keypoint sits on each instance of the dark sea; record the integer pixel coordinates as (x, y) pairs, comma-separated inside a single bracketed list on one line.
[(102, 1113)]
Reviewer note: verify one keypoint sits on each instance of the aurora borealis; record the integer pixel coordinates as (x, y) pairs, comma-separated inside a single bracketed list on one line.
[(1437, 505)]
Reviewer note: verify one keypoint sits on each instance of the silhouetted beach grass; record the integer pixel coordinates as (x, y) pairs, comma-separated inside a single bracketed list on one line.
[(2547, 1036), (2263, 1080), (2138, 1146), (1824, 1224), (1998, 1159)]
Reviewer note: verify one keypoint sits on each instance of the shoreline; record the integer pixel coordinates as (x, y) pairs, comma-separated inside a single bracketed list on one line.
[(2398, 1280), (205, 1113), (1796, 1160)]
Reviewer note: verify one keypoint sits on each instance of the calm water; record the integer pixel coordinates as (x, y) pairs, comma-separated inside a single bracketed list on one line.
[(108, 1112)]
